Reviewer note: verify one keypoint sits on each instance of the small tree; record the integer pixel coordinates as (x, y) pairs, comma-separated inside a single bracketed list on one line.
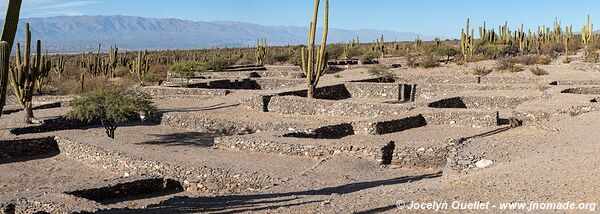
[(447, 51), (110, 106)]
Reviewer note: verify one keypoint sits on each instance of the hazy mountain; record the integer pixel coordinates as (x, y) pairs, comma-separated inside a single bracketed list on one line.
[(83, 33)]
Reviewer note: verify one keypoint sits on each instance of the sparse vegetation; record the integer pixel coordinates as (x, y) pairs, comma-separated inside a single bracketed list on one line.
[(481, 71), (382, 73), (538, 71), (110, 106)]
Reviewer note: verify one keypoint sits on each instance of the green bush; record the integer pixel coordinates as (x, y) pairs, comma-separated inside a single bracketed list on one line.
[(447, 51), (368, 57), (186, 70), (110, 106), (429, 61), (382, 73), (216, 65)]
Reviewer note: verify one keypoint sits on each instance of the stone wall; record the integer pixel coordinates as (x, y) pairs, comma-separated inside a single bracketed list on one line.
[(405, 155), (158, 91), (25, 148), (584, 66), (222, 125), (304, 106), (438, 79), (582, 90), (379, 126), (388, 91), (429, 91), (461, 117), (195, 178), (481, 102)]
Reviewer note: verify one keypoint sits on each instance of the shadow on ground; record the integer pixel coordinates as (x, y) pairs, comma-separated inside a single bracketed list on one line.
[(184, 139), (260, 202)]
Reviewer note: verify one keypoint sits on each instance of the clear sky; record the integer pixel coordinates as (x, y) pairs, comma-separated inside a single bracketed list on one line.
[(442, 18)]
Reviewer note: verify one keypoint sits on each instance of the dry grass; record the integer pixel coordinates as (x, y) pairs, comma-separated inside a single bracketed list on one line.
[(538, 71), (481, 71)]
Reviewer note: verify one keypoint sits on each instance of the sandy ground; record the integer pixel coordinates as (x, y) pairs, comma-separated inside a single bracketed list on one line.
[(549, 161)]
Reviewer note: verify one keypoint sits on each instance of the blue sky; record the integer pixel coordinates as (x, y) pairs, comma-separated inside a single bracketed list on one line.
[(442, 18)]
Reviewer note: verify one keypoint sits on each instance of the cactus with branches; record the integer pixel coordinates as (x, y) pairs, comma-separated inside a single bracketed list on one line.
[(26, 72), (587, 35), (9, 31), (314, 60), (141, 66), (261, 51)]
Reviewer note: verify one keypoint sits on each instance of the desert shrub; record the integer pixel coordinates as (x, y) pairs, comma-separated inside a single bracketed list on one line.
[(552, 48), (335, 51), (381, 72), (121, 71), (538, 71), (156, 73), (354, 53), (481, 71), (216, 65), (186, 70), (244, 61), (110, 106), (296, 60), (509, 64), (411, 60), (447, 51), (280, 58), (532, 60), (368, 57), (429, 61)]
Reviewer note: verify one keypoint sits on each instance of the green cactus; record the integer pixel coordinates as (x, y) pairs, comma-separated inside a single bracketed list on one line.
[(314, 62), (466, 43), (59, 66), (141, 66), (46, 66), (9, 30), (26, 72), (261, 51), (587, 35)]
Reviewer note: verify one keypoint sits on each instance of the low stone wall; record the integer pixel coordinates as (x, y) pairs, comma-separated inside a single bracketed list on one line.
[(582, 90), (274, 84), (304, 106), (439, 79), (220, 125), (405, 155), (379, 126), (390, 91), (575, 82), (483, 102), (25, 148), (429, 91), (584, 66), (461, 117), (510, 80), (195, 178), (283, 68), (172, 91)]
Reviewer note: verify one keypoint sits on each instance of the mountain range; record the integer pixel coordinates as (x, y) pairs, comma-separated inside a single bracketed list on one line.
[(70, 34)]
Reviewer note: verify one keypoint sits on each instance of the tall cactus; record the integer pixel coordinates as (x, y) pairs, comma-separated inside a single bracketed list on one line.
[(45, 67), (467, 45), (25, 73), (587, 35), (11, 22), (314, 62), (261, 51), (141, 66), (59, 66)]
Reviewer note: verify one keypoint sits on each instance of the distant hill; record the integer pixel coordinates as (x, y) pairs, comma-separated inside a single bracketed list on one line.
[(83, 33)]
